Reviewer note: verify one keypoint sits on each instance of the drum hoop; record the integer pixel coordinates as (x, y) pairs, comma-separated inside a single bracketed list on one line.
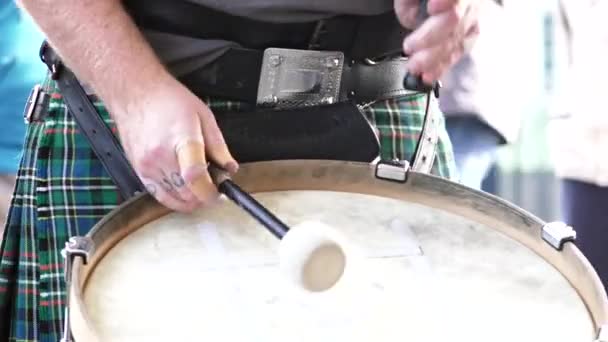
[(353, 177)]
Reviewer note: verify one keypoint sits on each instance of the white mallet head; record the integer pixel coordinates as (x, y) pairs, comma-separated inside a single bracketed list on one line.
[(313, 256)]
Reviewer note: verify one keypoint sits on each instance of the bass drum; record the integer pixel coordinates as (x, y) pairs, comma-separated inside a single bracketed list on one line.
[(433, 261)]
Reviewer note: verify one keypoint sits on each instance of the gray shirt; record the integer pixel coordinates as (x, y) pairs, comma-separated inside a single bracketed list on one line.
[(184, 54)]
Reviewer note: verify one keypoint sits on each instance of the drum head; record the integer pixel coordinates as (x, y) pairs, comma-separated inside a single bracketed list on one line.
[(418, 274)]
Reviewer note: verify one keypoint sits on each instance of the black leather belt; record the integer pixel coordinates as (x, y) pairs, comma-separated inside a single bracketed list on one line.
[(236, 76)]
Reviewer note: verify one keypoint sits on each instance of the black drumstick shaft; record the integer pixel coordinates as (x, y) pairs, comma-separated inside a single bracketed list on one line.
[(253, 207)]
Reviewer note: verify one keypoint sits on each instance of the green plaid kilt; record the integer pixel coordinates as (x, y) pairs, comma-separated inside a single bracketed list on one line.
[(62, 190)]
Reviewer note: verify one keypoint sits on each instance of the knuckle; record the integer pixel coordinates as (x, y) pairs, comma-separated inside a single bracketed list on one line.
[(144, 163), (151, 188), (170, 202), (429, 77), (155, 151), (424, 60), (453, 16), (150, 157), (192, 174), (415, 63)]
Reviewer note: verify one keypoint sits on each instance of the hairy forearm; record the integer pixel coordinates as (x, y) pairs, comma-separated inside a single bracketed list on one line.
[(100, 43)]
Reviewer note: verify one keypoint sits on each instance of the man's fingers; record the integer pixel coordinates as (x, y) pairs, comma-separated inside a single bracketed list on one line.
[(437, 6), (429, 59), (407, 12), (173, 181), (435, 73), (193, 168), (440, 42), (215, 145), (435, 30), (149, 167), (167, 198)]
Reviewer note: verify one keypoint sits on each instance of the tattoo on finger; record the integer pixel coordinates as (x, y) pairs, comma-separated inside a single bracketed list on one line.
[(166, 184), (177, 179)]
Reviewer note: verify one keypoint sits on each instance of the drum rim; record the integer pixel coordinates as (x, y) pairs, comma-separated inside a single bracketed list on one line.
[(353, 177)]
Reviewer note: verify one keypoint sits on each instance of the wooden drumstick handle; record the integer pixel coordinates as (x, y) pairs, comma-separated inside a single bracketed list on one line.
[(192, 154)]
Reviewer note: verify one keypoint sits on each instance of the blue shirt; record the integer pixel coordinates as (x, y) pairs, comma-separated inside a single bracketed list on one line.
[(20, 70)]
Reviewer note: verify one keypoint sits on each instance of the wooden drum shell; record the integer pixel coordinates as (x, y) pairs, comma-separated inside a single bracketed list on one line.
[(348, 177)]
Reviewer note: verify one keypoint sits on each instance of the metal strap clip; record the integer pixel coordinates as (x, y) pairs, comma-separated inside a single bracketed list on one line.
[(77, 246), (394, 171), (55, 66), (557, 234), (36, 103)]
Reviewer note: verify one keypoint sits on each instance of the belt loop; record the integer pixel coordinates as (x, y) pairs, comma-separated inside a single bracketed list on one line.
[(336, 34)]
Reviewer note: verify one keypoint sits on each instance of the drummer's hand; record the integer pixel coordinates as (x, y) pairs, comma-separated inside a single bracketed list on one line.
[(440, 41), (167, 120)]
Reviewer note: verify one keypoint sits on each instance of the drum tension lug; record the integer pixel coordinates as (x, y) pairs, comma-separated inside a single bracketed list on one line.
[(557, 234), (77, 246), (393, 170)]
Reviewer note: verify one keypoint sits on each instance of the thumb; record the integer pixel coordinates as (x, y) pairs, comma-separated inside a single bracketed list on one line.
[(215, 145)]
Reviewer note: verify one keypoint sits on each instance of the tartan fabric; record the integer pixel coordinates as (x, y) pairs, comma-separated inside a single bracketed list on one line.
[(62, 190)]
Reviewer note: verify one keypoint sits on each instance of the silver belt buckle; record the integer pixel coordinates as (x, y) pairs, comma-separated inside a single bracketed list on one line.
[(297, 78)]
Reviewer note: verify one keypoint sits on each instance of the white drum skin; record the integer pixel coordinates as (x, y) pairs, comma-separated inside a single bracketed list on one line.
[(420, 274)]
